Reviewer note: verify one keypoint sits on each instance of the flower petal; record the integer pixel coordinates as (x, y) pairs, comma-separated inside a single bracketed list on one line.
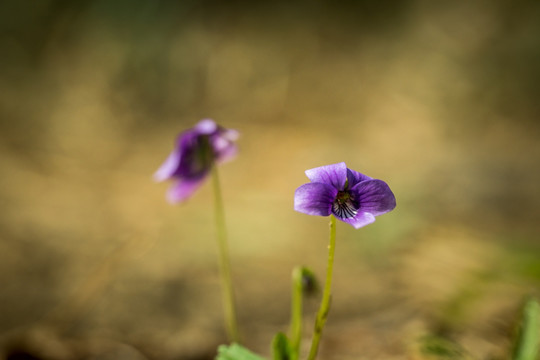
[(335, 175), (205, 127), (183, 189), (354, 177), (374, 196), (227, 153), (224, 148), (169, 167), (361, 219), (315, 199), (230, 134)]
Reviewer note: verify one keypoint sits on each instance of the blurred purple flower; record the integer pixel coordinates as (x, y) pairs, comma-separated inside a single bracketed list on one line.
[(196, 151), (352, 197)]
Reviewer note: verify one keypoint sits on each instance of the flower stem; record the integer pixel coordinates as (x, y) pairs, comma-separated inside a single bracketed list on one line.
[(296, 312), (325, 303), (224, 262)]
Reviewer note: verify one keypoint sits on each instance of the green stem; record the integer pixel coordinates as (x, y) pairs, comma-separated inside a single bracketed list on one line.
[(325, 303), (224, 262), (296, 312)]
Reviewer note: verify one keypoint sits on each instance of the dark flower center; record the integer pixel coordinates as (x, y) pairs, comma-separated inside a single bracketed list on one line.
[(199, 157), (344, 205)]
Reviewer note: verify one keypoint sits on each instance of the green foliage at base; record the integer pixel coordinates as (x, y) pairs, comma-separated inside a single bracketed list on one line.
[(527, 340), (281, 347), (236, 352)]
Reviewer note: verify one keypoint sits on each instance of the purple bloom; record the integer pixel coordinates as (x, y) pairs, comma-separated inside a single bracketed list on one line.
[(352, 197), (196, 151)]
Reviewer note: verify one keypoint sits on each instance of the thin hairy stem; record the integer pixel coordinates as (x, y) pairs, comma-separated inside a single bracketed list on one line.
[(325, 303), (224, 262)]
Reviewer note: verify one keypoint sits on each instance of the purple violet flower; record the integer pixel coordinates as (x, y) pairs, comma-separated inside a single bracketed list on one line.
[(196, 151), (352, 197)]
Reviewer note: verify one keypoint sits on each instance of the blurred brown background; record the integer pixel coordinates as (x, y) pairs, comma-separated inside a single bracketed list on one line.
[(441, 100)]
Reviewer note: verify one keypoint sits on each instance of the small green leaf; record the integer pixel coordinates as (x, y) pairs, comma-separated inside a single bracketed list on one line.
[(527, 341), (281, 347), (236, 352)]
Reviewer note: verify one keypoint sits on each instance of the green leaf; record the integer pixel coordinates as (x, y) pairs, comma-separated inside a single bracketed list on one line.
[(236, 352), (527, 341), (281, 347)]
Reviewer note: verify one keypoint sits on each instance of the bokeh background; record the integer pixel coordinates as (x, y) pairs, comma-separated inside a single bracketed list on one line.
[(439, 99)]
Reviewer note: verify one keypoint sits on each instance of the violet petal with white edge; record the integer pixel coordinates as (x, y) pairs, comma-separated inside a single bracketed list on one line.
[(361, 219)]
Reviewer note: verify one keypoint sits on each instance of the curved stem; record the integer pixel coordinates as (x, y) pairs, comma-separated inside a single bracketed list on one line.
[(325, 303), (224, 262)]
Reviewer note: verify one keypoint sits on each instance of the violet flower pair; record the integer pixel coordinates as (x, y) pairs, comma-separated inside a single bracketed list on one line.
[(334, 191), (352, 197)]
